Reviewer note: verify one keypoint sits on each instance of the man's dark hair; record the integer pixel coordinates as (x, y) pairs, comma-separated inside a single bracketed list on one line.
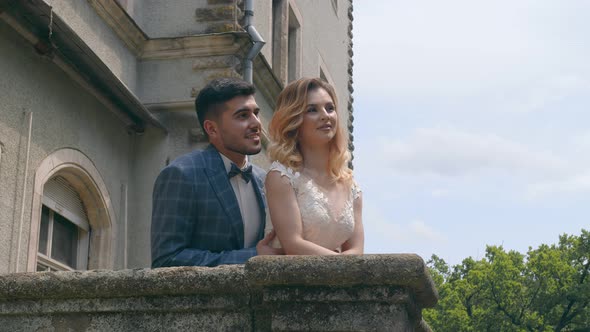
[(217, 92)]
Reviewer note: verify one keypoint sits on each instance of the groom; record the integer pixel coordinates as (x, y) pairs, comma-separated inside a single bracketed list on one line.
[(208, 206)]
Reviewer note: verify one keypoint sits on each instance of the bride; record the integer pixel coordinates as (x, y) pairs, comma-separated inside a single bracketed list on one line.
[(315, 206)]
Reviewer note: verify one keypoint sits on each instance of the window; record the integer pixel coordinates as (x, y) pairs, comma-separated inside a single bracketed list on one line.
[(294, 47), (279, 40), (64, 229), (68, 185), (286, 40)]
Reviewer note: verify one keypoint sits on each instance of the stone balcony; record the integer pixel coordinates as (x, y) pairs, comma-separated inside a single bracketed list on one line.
[(268, 293)]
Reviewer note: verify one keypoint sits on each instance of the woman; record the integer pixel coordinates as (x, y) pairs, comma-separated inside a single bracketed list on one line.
[(314, 204)]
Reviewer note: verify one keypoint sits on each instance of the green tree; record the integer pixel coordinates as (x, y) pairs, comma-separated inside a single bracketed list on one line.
[(548, 289)]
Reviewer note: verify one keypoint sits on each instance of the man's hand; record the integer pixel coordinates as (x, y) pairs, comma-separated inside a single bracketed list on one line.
[(263, 247)]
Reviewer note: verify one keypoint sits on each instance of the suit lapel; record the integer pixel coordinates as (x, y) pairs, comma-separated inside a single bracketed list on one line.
[(220, 183)]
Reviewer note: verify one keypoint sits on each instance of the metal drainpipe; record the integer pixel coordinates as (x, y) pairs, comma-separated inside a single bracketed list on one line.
[(257, 41)]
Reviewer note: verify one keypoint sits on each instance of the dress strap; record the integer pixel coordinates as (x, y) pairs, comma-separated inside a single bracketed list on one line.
[(285, 171)]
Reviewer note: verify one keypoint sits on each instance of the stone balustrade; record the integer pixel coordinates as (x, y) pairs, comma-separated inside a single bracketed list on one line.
[(268, 293)]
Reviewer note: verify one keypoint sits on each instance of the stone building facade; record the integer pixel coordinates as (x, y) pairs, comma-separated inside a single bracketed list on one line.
[(97, 97)]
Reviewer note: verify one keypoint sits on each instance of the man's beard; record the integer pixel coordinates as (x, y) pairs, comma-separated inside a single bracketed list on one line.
[(243, 149)]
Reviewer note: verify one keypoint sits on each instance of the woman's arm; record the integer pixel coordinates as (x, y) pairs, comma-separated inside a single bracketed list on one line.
[(355, 245), (286, 218)]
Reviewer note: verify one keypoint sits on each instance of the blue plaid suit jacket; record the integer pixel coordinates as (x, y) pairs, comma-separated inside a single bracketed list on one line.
[(196, 218)]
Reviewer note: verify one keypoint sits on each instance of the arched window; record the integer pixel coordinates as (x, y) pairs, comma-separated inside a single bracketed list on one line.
[(64, 229), (72, 219)]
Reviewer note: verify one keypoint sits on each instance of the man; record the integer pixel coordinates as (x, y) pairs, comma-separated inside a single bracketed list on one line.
[(209, 206)]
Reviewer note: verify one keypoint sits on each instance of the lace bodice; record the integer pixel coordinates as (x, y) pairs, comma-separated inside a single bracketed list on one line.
[(321, 224)]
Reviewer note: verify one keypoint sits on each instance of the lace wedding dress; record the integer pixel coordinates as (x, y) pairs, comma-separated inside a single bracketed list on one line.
[(321, 224)]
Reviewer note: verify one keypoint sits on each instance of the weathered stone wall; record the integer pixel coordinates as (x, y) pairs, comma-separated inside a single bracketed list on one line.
[(345, 293), (99, 37), (161, 19), (63, 116)]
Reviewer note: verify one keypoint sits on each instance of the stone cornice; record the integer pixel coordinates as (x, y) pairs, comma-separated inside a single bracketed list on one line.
[(194, 46), (146, 48), (123, 25), (215, 44)]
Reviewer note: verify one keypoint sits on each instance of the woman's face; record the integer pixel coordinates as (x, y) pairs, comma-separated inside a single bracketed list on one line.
[(320, 118)]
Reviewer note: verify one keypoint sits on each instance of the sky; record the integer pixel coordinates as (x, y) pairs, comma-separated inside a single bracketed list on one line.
[(471, 124)]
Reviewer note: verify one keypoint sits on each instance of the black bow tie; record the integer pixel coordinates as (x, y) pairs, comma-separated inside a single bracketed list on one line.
[(246, 173)]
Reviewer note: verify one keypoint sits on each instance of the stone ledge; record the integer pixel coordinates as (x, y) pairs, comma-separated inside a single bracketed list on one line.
[(401, 270), (313, 293), (153, 304), (228, 43), (123, 283)]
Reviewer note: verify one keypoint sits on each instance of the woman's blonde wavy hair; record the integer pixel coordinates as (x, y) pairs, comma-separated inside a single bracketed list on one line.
[(285, 123)]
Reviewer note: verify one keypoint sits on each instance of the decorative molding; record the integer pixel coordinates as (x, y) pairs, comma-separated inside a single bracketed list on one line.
[(216, 62), (265, 80), (208, 45), (296, 12), (178, 105), (146, 48), (194, 46), (279, 43), (350, 87), (83, 175), (122, 24)]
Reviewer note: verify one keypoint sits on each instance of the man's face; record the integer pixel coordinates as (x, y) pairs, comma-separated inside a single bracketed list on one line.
[(238, 129)]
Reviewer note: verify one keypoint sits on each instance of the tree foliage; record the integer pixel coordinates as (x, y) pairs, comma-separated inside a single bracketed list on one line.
[(548, 289)]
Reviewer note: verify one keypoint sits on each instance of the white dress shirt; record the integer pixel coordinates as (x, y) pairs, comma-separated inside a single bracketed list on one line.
[(248, 204)]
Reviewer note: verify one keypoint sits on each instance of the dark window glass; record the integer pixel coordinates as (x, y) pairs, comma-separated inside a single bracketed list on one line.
[(44, 230), (65, 241)]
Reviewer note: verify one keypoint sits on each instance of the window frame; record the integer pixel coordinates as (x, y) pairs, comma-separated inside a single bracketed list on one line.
[(82, 244)]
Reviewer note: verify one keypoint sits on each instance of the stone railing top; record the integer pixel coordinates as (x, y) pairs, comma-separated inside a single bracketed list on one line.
[(404, 270), (124, 283)]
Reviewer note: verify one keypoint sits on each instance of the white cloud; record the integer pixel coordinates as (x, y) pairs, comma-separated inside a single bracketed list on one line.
[(387, 236), (581, 142), (440, 192), (579, 184), (459, 48), (513, 77), (376, 224), (449, 152), (538, 94), (420, 230)]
